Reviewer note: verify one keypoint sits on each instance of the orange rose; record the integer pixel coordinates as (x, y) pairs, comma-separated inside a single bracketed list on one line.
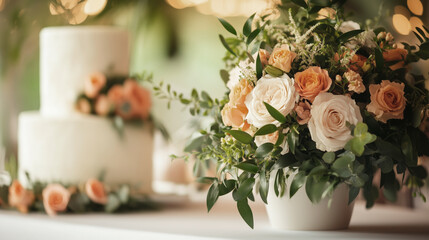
[(95, 191), (397, 54), (20, 197), (356, 63), (116, 95), (55, 199), (387, 100), (282, 58), (239, 92), (102, 105), (138, 99), (234, 116), (303, 112), (93, 84), (312, 81)]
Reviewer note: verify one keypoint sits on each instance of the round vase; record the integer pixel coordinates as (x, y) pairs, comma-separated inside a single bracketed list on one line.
[(299, 213)]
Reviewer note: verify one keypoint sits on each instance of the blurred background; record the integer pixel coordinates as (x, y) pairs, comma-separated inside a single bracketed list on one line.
[(177, 40)]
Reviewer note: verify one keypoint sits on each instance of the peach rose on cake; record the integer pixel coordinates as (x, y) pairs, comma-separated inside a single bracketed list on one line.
[(397, 54), (19, 197), (116, 95), (355, 81), (303, 114), (328, 124), (93, 84), (138, 98), (279, 92), (55, 199), (387, 100), (312, 81), (102, 105), (282, 58), (95, 191)]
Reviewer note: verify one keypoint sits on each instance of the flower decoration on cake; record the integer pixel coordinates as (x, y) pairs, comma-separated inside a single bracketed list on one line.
[(116, 96), (316, 97)]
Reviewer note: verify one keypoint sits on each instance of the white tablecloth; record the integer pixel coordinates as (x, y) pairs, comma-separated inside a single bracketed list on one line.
[(191, 221)]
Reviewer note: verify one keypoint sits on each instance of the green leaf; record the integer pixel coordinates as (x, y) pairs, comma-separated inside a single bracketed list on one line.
[(247, 28), (342, 164), (124, 194), (292, 140), (285, 161), (249, 167), (408, 151), (353, 193), (258, 67), (245, 189), (385, 163), (379, 60), (224, 75), (263, 186), (226, 187), (212, 195), (252, 36), (300, 3), (227, 26), (316, 188), (241, 136), (263, 150), (346, 36), (275, 113), (297, 182), (329, 157), (113, 203), (195, 144), (245, 211), (273, 71), (267, 129), (390, 194), (225, 44), (78, 202), (320, 3)]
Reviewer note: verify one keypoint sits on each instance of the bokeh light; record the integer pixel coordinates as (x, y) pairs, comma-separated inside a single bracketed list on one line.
[(94, 7), (402, 10), (78, 15), (2, 4), (401, 24), (415, 7), (416, 23)]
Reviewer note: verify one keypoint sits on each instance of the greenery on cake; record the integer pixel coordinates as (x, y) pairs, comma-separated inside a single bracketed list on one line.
[(315, 97), (55, 197)]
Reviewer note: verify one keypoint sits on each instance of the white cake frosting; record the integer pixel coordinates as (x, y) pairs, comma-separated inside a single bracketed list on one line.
[(59, 144), (69, 54)]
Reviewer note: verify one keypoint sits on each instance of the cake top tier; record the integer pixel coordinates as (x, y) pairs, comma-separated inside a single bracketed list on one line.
[(69, 54)]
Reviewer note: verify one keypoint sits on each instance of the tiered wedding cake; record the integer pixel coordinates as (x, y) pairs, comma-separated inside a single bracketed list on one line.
[(60, 144)]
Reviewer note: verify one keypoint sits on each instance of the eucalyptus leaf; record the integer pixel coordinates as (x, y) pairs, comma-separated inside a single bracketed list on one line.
[(245, 212), (113, 203), (316, 188), (245, 189), (252, 36), (297, 182), (241, 136), (212, 195), (263, 150), (225, 44), (263, 186), (224, 75), (353, 193), (247, 28), (249, 167), (258, 67), (292, 140), (227, 26), (124, 194), (226, 187), (329, 157), (346, 36), (267, 129)]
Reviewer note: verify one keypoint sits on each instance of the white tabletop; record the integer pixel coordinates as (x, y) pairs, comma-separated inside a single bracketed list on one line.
[(190, 221)]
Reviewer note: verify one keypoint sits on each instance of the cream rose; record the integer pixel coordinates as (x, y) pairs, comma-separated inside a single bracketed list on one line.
[(387, 100), (329, 115), (279, 92), (348, 26), (55, 199), (93, 84), (312, 81), (282, 58)]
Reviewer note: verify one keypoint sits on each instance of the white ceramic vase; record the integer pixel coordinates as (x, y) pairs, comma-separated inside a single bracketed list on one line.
[(299, 213)]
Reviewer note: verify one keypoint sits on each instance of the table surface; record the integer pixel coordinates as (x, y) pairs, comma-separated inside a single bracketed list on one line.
[(190, 220)]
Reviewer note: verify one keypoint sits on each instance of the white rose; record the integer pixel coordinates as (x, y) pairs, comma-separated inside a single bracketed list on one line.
[(367, 39), (329, 115), (234, 77), (245, 69), (348, 26), (279, 92)]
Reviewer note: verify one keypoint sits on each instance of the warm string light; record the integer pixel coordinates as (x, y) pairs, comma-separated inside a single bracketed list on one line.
[(415, 7), (94, 7), (2, 4), (403, 20)]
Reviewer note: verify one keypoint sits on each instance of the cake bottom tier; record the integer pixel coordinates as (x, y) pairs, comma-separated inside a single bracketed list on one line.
[(76, 148)]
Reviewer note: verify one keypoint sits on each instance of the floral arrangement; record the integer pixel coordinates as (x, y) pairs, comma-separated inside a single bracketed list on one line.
[(315, 97), (54, 198)]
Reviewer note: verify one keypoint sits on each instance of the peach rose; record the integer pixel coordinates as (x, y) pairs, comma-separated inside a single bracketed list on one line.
[(397, 54), (312, 81), (93, 84), (55, 199), (356, 63), (83, 106), (116, 95), (239, 92), (138, 99), (20, 197), (282, 58), (264, 55), (355, 81), (326, 12), (102, 105), (387, 100), (329, 117), (234, 116), (95, 191), (303, 112)]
